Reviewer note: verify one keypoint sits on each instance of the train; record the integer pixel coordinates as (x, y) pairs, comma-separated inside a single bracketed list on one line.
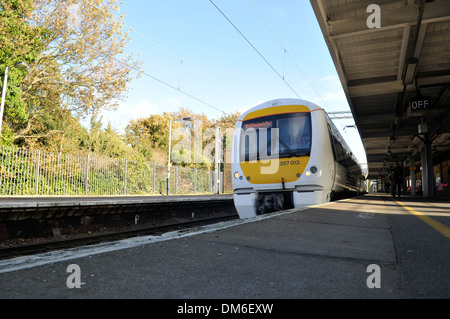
[(287, 153)]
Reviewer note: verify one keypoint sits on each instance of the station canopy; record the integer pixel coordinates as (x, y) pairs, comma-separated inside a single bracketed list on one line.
[(396, 75)]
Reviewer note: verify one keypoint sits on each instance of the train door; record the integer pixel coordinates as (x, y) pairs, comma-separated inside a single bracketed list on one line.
[(333, 149)]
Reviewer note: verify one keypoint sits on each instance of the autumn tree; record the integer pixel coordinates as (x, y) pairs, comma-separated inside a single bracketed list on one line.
[(82, 68), (19, 41), (104, 142), (190, 137), (227, 123), (151, 135)]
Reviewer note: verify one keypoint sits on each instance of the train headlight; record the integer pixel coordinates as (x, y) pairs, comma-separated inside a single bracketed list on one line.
[(308, 173), (313, 169), (236, 175)]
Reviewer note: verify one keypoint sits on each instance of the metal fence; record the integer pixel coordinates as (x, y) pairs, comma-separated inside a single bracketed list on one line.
[(31, 172)]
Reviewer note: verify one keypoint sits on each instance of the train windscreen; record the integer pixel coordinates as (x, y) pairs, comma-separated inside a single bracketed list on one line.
[(281, 135)]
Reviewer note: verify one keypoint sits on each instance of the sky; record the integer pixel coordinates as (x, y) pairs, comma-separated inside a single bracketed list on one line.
[(216, 65)]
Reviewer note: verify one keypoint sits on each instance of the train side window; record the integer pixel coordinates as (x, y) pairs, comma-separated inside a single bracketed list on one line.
[(332, 142), (340, 152)]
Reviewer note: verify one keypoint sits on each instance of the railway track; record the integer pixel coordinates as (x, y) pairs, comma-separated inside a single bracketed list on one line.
[(51, 244), (32, 225)]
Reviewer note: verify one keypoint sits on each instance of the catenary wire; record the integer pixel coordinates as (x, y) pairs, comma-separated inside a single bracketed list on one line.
[(167, 51), (172, 87), (254, 48), (286, 51)]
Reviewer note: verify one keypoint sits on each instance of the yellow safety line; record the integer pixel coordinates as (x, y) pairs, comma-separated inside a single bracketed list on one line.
[(444, 230)]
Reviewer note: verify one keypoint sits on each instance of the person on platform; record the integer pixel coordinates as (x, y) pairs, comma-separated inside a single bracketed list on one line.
[(398, 175)]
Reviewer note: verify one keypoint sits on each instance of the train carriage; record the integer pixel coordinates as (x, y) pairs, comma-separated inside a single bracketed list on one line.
[(287, 153)]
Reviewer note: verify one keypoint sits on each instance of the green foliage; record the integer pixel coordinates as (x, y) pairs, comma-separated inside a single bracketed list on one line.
[(59, 174), (150, 136), (19, 41), (7, 137), (105, 142), (40, 110)]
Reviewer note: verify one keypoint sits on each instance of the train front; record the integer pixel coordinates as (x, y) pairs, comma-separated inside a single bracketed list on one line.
[(271, 151)]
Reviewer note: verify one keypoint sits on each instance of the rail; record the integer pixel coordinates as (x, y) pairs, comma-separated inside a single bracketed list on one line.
[(50, 244)]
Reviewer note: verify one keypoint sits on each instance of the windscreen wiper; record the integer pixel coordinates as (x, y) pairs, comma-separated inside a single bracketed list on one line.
[(287, 147)]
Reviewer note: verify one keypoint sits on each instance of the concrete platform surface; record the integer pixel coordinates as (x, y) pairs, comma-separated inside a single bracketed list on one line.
[(57, 201), (327, 251)]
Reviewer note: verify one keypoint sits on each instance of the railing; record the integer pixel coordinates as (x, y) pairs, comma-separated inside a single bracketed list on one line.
[(31, 172)]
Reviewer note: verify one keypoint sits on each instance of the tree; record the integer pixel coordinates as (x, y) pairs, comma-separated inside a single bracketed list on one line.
[(19, 41), (82, 68), (150, 136), (105, 142)]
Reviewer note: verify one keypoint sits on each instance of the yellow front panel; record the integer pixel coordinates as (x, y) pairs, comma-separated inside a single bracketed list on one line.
[(272, 171), (282, 109)]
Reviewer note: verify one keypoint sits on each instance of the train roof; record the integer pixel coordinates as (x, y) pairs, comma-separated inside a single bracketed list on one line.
[(293, 102), (281, 102)]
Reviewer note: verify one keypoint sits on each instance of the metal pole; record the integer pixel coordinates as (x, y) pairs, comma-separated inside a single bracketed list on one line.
[(413, 181), (87, 176), (429, 168), (195, 180), (125, 178), (168, 161), (154, 177), (217, 162), (176, 179), (38, 160), (211, 182), (5, 82)]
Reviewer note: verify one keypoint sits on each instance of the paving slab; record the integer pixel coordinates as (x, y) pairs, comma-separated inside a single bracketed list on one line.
[(321, 252)]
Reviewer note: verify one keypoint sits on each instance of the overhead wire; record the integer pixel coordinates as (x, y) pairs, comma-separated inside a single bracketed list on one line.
[(286, 51), (172, 87), (282, 77), (182, 60), (254, 48), (170, 53)]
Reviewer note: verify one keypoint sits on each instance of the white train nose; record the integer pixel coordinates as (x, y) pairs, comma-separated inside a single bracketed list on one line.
[(245, 204), (312, 161)]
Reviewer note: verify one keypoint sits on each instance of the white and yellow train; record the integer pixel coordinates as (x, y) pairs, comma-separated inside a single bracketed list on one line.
[(287, 153)]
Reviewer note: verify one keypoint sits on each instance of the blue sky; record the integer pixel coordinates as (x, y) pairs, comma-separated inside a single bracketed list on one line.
[(191, 46)]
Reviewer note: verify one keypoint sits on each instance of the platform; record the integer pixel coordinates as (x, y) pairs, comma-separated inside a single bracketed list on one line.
[(42, 216), (29, 202), (319, 252), (46, 207)]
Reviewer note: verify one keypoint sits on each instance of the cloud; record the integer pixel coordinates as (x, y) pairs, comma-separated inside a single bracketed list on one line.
[(332, 91), (335, 96), (333, 79), (143, 109)]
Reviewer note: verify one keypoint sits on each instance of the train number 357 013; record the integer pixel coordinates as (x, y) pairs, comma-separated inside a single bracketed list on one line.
[(287, 163)]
